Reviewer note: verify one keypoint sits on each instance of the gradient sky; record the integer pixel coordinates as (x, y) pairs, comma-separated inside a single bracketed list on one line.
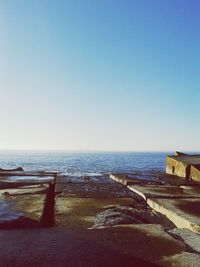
[(100, 74)]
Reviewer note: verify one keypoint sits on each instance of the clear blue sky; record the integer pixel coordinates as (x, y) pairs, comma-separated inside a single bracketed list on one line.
[(100, 74)]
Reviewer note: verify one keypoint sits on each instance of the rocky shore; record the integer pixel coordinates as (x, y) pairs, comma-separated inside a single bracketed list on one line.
[(97, 223)]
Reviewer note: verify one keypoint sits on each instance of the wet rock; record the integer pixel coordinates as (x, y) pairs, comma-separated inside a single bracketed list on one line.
[(85, 178), (19, 169), (107, 190), (184, 259), (125, 215)]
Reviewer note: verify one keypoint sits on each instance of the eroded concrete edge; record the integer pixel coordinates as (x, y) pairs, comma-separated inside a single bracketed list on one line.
[(178, 220)]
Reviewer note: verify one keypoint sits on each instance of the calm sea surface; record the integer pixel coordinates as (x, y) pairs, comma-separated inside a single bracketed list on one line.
[(92, 164)]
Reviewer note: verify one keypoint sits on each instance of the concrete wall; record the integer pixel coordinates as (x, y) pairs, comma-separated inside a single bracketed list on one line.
[(195, 174), (175, 167)]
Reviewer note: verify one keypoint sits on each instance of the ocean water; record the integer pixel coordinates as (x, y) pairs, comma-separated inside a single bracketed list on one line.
[(91, 164)]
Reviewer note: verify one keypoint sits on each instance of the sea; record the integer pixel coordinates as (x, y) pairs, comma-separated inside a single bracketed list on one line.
[(92, 164)]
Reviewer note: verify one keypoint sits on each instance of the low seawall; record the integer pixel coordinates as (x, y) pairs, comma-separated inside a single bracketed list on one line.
[(180, 204)]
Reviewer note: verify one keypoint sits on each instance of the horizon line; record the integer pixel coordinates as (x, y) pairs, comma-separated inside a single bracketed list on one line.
[(92, 151)]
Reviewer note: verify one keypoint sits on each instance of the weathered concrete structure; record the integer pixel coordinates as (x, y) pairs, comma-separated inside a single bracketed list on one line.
[(23, 199), (184, 165), (195, 172), (179, 203)]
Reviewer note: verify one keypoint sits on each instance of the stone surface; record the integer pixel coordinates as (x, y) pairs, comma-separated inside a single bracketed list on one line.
[(145, 241), (181, 204), (191, 239), (78, 212), (55, 247), (119, 246), (166, 191), (24, 190), (184, 259), (184, 213), (74, 243)]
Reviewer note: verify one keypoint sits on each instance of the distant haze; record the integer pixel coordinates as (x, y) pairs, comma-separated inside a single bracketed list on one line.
[(103, 75)]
